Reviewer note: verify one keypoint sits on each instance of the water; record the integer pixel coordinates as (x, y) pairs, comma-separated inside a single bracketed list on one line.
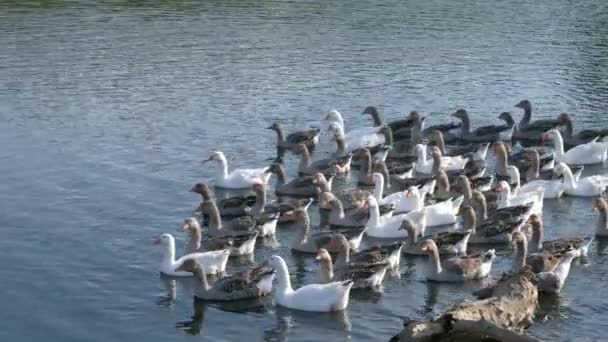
[(108, 107)]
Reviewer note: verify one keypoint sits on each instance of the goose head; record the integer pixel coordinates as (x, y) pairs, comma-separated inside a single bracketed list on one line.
[(600, 205), (502, 187), (518, 238), (498, 148), (323, 256), (514, 174), (559, 168), (217, 156), (564, 119), (461, 114), (436, 137), (371, 201), (507, 118), (429, 247), (165, 240), (371, 110), (275, 127), (276, 262), (301, 217), (259, 187), (333, 116), (414, 115), (362, 153), (524, 104), (191, 225), (275, 168), (409, 226), (443, 182), (201, 189), (488, 256), (336, 130), (551, 134), (411, 191)]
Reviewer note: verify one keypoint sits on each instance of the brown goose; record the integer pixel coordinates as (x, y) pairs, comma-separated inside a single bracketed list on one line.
[(538, 262), (308, 137), (304, 186), (325, 166), (601, 207), (233, 206), (363, 275)]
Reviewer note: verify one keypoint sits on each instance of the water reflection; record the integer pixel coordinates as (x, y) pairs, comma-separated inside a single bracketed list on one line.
[(602, 245), (320, 321), (430, 300), (168, 298)]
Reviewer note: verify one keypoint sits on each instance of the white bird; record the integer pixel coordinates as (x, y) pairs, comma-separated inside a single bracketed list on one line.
[(584, 186), (313, 297), (239, 178), (390, 227), (424, 165), (592, 152), (213, 262)]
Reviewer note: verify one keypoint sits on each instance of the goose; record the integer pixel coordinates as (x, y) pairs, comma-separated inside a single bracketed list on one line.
[(389, 227), (346, 144), (233, 206), (472, 168), (502, 161), (325, 166), (237, 179), (601, 207), (412, 135), (304, 242), (579, 244), (479, 204), (314, 297), (592, 152), (372, 255), (456, 269), (394, 125), (305, 186), (425, 166), (507, 199), (238, 242), (551, 189), (538, 262), (214, 261), (582, 137), (438, 214), (308, 137), (525, 124), (479, 151), (486, 133), (582, 187), (258, 220), (286, 207), (363, 275), (552, 282), (402, 201), (356, 217), (335, 117), (449, 242), (253, 283), (531, 164), (490, 231)]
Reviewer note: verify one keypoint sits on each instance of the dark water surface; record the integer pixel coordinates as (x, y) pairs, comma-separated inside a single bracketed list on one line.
[(108, 107)]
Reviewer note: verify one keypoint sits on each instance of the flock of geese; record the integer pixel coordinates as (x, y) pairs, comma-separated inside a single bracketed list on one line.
[(409, 177)]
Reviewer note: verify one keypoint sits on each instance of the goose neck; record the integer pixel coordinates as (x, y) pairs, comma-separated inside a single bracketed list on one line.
[(470, 221), (325, 272), (525, 120), (379, 187), (537, 235), (215, 220), (374, 215), (520, 256), (194, 242), (377, 119), (280, 173), (340, 145), (260, 202), (435, 261), (466, 125), (558, 143), (568, 177), (440, 142), (602, 222), (280, 134), (282, 278), (304, 159), (223, 166), (501, 160)]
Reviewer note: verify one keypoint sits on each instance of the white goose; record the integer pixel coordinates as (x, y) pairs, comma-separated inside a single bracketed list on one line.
[(590, 153), (239, 178), (551, 188), (389, 227), (213, 262), (313, 297), (424, 165), (353, 142), (438, 214), (506, 199), (583, 187), (335, 117), (403, 201)]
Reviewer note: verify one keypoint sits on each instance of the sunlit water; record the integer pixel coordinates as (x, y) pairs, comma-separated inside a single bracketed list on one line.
[(107, 109)]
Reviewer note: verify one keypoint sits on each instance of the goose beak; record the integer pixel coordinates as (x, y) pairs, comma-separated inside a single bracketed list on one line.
[(409, 194), (269, 127), (185, 227), (595, 207), (193, 189), (157, 242)]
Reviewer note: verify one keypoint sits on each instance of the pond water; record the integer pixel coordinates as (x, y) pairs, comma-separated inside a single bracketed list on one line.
[(107, 109)]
